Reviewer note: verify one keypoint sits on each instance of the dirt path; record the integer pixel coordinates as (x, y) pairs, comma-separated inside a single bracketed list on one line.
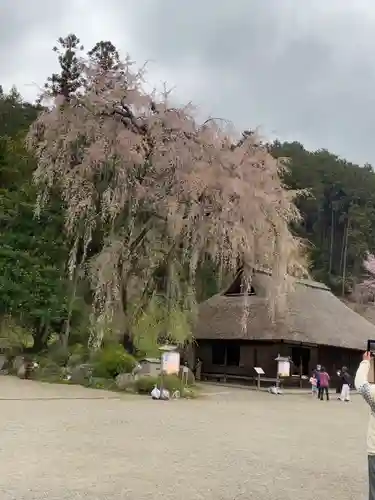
[(70, 443)]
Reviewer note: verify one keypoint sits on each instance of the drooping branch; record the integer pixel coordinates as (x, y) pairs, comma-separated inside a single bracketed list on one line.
[(153, 180)]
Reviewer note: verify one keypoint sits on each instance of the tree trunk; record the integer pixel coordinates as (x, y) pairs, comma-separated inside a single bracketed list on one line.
[(40, 338), (331, 244), (345, 258), (65, 339), (126, 338)]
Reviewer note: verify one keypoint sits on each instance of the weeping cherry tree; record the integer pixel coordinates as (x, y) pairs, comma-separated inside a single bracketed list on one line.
[(163, 191)]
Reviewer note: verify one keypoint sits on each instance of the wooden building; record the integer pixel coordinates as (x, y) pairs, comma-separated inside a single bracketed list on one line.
[(314, 328)]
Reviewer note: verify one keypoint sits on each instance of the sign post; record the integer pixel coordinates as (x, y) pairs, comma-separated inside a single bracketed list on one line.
[(259, 372), (283, 368)]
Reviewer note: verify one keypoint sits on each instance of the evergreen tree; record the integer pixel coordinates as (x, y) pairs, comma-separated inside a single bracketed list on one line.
[(69, 80), (105, 54), (32, 252), (16, 115), (338, 213)]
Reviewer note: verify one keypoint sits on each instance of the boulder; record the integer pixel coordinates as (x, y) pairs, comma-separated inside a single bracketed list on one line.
[(26, 370), (17, 363), (81, 374), (21, 372)]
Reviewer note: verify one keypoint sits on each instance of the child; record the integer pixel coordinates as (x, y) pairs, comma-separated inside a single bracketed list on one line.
[(314, 385), (324, 384), (317, 376)]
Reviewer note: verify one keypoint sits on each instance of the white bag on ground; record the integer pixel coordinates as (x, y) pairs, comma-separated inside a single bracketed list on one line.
[(165, 394), (275, 390), (155, 393)]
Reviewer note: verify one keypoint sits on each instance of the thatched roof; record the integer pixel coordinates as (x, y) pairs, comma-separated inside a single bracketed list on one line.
[(313, 315), (365, 310)]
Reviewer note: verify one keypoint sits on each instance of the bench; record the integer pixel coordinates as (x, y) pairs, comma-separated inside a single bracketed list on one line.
[(224, 377), (272, 380)]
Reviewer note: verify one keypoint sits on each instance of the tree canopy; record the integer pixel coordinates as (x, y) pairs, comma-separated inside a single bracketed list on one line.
[(162, 189)]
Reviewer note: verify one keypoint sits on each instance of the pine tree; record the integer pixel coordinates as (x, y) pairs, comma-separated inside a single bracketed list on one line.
[(105, 54), (69, 80)]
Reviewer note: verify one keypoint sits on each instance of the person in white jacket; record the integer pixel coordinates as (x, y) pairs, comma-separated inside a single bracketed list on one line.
[(367, 391)]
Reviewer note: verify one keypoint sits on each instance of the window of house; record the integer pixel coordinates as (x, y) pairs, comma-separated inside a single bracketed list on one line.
[(233, 355), (301, 360), (218, 354), (226, 354), (255, 356)]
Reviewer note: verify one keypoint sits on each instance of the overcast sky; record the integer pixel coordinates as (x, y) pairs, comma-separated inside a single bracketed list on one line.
[(299, 70)]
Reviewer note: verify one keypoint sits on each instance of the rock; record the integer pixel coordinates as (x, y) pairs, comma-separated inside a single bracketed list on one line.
[(21, 372), (17, 363), (81, 374), (26, 369), (124, 381)]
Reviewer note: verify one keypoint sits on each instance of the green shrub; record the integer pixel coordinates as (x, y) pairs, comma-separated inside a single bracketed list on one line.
[(13, 338), (171, 383), (78, 354), (48, 370), (144, 385), (58, 354), (112, 360), (102, 383)]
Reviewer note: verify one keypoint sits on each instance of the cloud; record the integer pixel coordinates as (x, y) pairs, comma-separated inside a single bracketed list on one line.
[(299, 70)]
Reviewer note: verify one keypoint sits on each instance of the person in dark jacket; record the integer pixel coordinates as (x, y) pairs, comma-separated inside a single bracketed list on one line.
[(347, 381), (339, 384)]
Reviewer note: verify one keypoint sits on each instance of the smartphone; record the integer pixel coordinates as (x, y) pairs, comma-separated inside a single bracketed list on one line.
[(371, 347)]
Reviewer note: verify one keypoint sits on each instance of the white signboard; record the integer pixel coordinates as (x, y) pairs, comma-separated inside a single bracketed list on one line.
[(171, 363), (259, 370), (283, 368)]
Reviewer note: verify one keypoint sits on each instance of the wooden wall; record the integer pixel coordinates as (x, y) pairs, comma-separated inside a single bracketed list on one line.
[(263, 354)]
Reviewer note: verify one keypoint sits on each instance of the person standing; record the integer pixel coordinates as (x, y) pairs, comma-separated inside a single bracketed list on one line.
[(313, 383), (339, 384), (198, 370), (317, 376), (367, 391), (346, 380), (324, 379)]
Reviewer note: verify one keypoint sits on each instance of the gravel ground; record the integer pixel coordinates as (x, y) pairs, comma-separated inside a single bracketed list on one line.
[(64, 442)]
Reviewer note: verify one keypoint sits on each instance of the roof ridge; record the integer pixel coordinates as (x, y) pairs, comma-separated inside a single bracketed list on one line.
[(301, 281)]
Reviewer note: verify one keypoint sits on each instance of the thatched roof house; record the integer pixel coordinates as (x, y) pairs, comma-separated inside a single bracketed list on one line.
[(313, 327), (313, 315), (366, 310)]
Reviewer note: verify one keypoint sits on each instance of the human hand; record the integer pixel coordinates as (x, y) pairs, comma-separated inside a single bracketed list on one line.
[(366, 356)]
